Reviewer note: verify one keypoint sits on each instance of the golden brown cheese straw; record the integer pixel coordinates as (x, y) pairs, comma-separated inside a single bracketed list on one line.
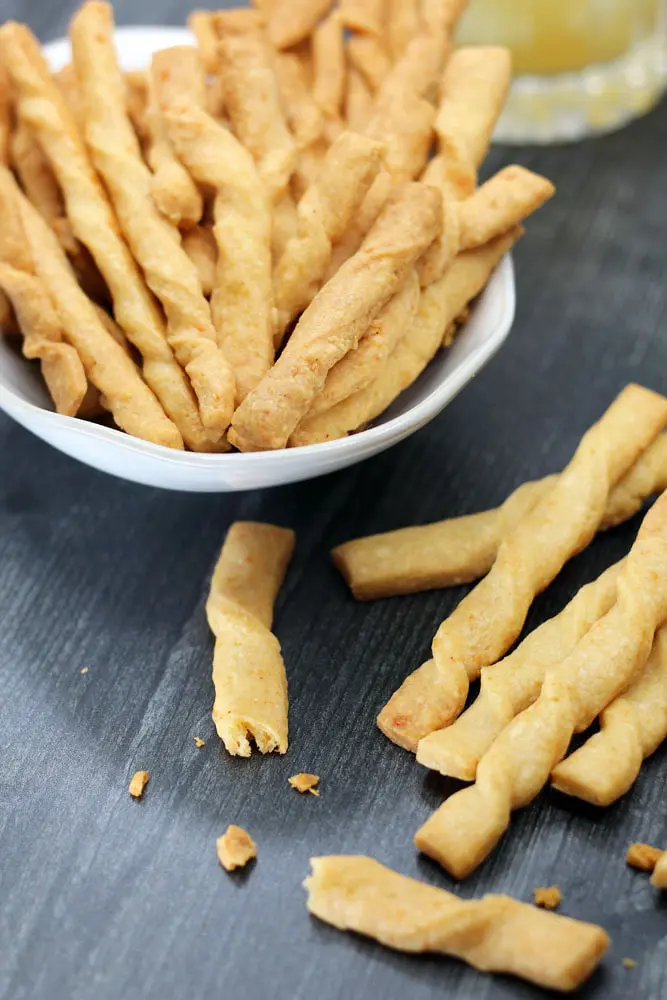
[(169, 273), (42, 338), (643, 857), (404, 123), (513, 684), (473, 91), (493, 934), (95, 225), (5, 118), (659, 876), (466, 828), (248, 669), (490, 618), (362, 223), (136, 104), (336, 319), (35, 174), (252, 96), (329, 66), (323, 215), (505, 200), (367, 55), (68, 85), (631, 728), (361, 366), (200, 246), (302, 112), (358, 101), (418, 70), (439, 17), (242, 298), (202, 25), (131, 403), (462, 549), (439, 306), (403, 23), (363, 15), (174, 191), (290, 21)]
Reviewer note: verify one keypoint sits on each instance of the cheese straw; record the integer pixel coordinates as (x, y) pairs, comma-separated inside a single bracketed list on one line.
[(95, 225), (513, 684), (462, 549), (252, 97), (361, 366), (129, 400), (174, 191), (473, 91), (504, 201), (490, 618), (168, 270), (368, 56), (5, 118), (202, 25), (242, 297), (632, 727), (329, 66), (290, 21), (439, 306), (358, 101), (337, 318), (323, 215), (403, 23), (466, 828), (363, 15), (248, 669), (493, 934)]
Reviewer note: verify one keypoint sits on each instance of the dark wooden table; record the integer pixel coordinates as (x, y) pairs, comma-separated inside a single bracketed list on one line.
[(103, 898)]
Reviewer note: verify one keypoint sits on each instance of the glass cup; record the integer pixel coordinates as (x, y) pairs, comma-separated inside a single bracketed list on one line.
[(581, 66)]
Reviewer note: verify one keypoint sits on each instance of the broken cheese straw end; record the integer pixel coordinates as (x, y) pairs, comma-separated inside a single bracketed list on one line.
[(493, 934)]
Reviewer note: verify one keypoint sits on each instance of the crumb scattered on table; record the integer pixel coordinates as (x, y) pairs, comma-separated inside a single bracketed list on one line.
[(199, 743), (548, 897), (629, 963), (138, 783), (84, 670), (305, 783), (235, 848), (643, 857)]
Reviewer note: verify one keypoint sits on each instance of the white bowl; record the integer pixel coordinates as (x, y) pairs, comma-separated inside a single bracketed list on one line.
[(24, 398)]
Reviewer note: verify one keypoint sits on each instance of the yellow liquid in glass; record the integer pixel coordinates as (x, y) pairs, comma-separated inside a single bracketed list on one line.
[(560, 36)]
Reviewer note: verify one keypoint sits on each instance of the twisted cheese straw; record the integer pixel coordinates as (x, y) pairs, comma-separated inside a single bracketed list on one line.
[(512, 685), (248, 669), (323, 215), (493, 934), (486, 622), (439, 306), (337, 318), (631, 728), (61, 366), (95, 225), (242, 297), (462, 549), (473, 91), (127, 397), (659, 876), (169, 272), (467, 826)]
